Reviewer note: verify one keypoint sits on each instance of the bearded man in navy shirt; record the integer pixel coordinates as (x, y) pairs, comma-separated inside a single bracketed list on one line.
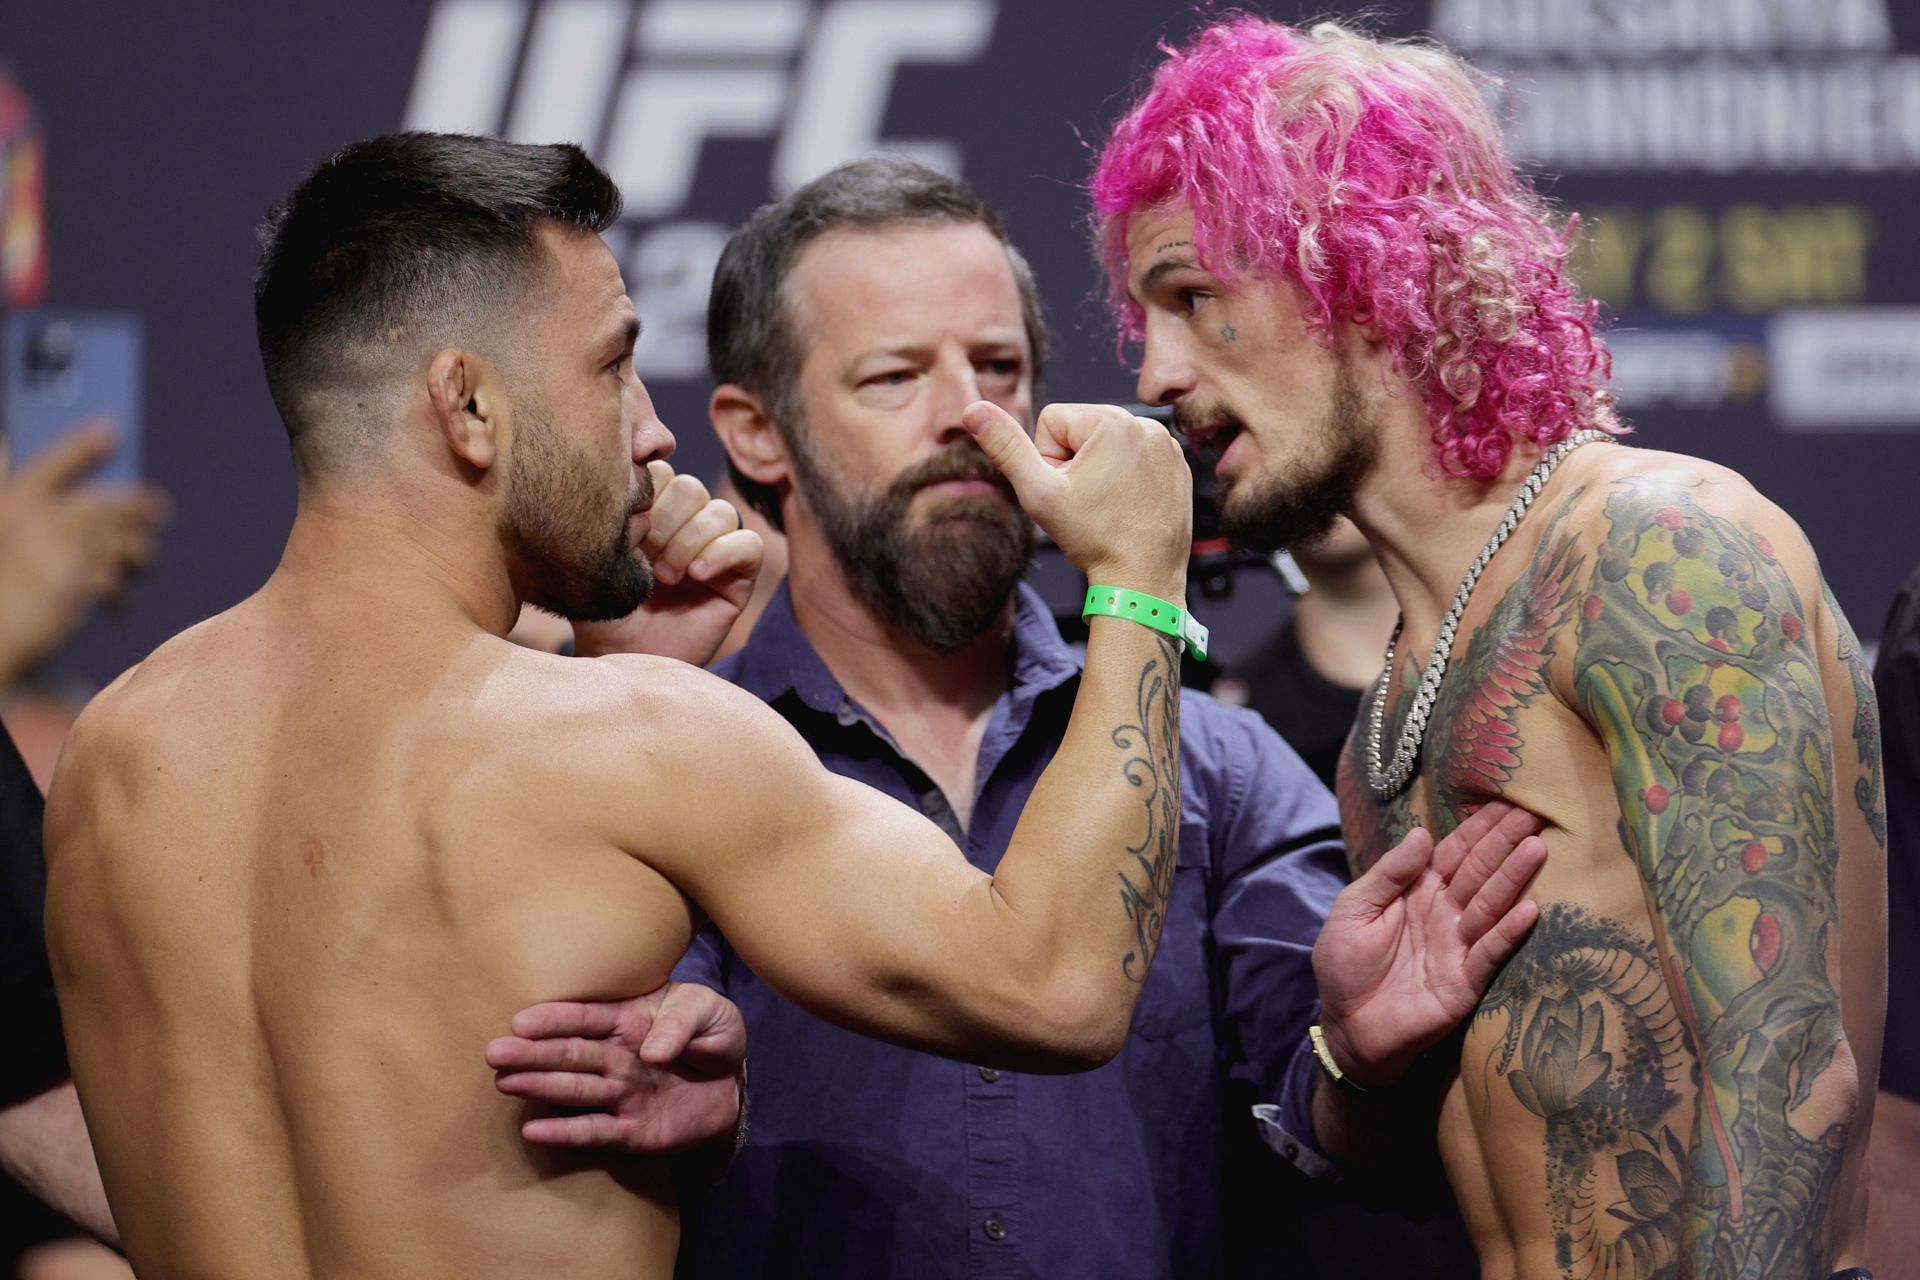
[(850, 326)]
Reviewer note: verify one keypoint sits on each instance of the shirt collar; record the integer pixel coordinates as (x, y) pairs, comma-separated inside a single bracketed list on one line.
[(778, 659)]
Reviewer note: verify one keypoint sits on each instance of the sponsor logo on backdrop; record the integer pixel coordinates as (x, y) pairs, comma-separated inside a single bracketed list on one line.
[(23, 203), (645, 85), (1697, 90)]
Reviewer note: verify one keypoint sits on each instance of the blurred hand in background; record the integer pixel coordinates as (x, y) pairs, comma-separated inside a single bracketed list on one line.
[(65, 545)]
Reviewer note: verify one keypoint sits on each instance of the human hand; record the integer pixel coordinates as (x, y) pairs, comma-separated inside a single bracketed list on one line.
[(1409, 948), (657, 1073), (1112, 490), (66, 545), (705, 562)]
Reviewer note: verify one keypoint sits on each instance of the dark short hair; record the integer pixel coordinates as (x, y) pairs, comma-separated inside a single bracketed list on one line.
[(427, 235), (750, 333)]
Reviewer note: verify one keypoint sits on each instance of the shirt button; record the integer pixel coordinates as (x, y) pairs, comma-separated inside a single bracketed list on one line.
[(995, 1229), (989, 1074), (846, 715)]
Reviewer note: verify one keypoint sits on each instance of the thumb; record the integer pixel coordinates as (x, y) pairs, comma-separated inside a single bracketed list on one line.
[(1005, 441), (683, 1013)]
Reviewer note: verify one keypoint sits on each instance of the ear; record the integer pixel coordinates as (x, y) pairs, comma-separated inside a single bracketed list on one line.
[(1367, 328), (467, 406), (749, 435)]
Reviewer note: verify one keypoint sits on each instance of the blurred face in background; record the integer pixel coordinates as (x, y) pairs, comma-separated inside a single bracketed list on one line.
[(903, 327)]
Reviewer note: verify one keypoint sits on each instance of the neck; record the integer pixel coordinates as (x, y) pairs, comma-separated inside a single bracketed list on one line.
[(397, 561), (1425, 526), (1343, 621), (882, 668)]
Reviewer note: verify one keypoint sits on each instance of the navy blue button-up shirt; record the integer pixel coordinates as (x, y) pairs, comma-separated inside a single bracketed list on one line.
[(869, 1160)]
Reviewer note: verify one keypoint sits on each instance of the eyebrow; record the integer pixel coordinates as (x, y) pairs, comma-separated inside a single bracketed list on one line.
[(1157, 270), (628, 333)]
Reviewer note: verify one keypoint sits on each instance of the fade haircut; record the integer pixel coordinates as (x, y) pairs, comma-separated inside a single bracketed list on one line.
[(752, 341), (1371, 174), (394, 248)]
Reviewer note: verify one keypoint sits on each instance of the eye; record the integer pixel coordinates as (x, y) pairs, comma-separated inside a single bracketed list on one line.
[(617, 366), (891, 378), (1190, 300)]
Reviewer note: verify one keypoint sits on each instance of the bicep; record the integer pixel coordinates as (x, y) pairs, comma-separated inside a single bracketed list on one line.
[(1695, 664), (846, 901)]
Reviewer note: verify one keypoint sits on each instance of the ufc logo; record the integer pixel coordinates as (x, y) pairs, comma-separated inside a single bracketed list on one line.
[(644, 84)]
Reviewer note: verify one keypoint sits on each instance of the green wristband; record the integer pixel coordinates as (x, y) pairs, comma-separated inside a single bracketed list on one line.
[(1148, 611)]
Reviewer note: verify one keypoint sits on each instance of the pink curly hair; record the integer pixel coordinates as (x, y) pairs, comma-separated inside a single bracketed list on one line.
[(1371, 173)]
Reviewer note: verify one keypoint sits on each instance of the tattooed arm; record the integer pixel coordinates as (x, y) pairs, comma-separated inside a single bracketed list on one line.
[(1695, 662), (860, 910)]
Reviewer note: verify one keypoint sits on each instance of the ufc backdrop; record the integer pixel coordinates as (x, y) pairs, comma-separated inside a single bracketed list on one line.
[(1747, 168)]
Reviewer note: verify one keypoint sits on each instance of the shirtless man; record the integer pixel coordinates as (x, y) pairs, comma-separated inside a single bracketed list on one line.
[(1347, 294), (298, 878)]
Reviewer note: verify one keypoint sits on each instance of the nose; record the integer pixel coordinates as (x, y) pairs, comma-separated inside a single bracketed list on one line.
[(651, 439), (959, 386), (1165, 373)]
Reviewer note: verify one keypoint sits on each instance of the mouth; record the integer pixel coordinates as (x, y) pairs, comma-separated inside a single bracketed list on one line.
[(1212, 440), (961, 486)]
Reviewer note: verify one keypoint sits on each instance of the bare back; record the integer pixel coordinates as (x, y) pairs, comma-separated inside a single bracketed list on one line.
[(1645, 669), (300, 873)]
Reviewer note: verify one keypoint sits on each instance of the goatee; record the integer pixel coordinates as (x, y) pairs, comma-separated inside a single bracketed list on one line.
[(568, 538), (943, 582), (1275, 512)]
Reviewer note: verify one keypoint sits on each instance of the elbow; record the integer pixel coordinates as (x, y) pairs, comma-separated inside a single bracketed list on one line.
[(1068, 1025)]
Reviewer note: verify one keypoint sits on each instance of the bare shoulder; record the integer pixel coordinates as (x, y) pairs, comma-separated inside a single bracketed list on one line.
[(1631, 490), (687, 723), (1693, 572)]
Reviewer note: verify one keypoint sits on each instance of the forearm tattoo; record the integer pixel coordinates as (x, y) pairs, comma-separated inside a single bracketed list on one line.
[(1152, 747), (1695, 658)]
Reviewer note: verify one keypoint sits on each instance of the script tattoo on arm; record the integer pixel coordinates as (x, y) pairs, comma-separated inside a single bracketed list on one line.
[(1152, 747), (1694, 662)]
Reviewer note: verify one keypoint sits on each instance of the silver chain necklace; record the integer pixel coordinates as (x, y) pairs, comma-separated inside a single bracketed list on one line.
[(1387, 782)]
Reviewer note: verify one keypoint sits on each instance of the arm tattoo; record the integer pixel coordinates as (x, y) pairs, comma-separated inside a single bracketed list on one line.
[(1152, 745), (1868, 791), (1591, 1043), (1695, 662)]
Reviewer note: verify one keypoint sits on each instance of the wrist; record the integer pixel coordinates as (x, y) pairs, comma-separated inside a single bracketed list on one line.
[(1354, 1071), (1168, 584)]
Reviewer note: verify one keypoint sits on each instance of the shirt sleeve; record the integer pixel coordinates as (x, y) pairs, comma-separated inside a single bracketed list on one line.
[(36, 1057), (1896, 678), (1279, 864), (705, 962)]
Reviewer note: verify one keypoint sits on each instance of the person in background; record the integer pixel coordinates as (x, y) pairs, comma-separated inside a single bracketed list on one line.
[(65, 546), (1306, 682)]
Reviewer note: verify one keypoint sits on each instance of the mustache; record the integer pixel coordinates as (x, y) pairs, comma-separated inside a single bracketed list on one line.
[(1187, 417), (640, 494), (956, 462)]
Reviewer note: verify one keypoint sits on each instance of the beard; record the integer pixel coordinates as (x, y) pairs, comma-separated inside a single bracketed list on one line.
[(1272, 512), (567, 536), (942, 582)]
